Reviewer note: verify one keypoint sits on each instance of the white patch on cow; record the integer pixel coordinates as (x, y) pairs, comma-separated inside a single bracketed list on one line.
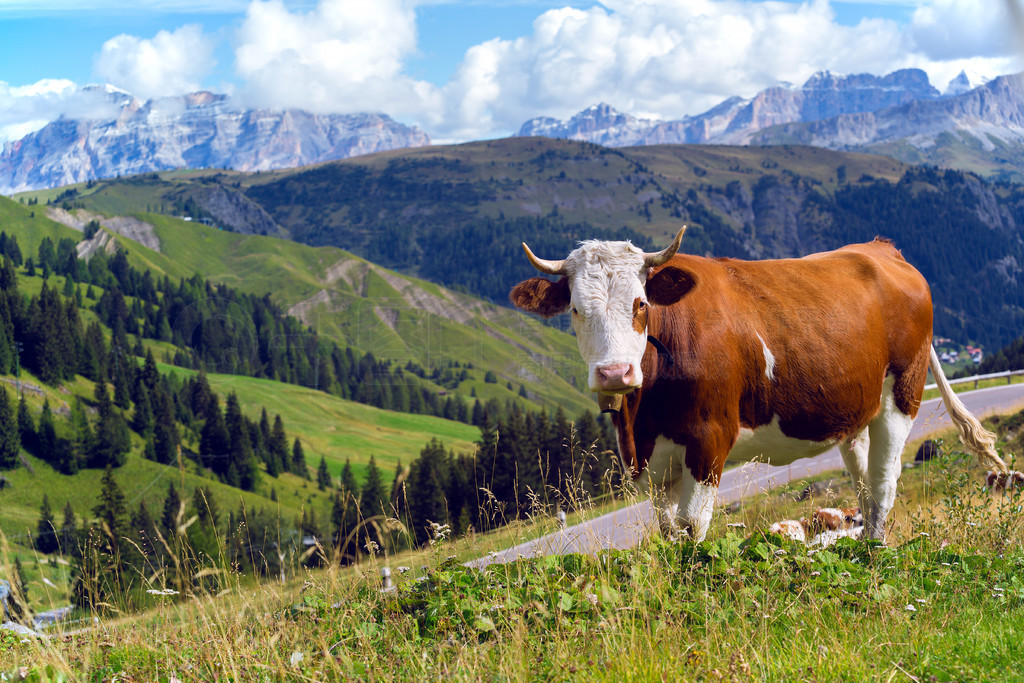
[(605, 278), (768, 444), (696, 505), (769, 360), (888, 431)]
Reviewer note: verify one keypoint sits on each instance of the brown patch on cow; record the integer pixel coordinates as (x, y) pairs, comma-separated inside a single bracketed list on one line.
[(639, 315), (542, 296)]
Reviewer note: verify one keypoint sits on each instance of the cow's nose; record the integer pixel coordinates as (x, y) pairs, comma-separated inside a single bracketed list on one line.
[(612, 377)]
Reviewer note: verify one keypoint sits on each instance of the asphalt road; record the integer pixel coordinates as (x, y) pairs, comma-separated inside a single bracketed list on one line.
[(624, 528)]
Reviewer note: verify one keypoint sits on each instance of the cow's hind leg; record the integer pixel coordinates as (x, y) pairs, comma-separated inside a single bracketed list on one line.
[(855, 456), (661, 480), (888, 435)]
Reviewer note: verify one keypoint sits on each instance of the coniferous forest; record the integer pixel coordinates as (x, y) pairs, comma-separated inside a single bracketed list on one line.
[(97, 325)]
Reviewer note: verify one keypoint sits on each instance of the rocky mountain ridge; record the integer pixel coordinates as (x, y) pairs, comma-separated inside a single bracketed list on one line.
[(199, 130), (822, 96)]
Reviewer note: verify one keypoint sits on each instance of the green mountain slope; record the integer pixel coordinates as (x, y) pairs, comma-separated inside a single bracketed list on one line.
[(352, 302)]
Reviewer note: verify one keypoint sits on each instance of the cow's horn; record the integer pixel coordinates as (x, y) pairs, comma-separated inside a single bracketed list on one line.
[(543, 265), (660, 257)]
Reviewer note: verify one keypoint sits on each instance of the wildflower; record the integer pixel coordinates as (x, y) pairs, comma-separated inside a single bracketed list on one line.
[(165, 591), (372, 547), (591, 598), (920, 601), (402, 570), (911, 608)]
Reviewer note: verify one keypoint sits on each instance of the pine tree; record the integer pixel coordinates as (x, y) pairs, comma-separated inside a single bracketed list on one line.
[(46, 532), (171, 512), (214, 441), (372, 501), (26, 426), (144, 548), (142, 417), (323, 477), (165, 429), (240, 455), (112, 511), (111, 440), (426, 487), (277, 445), (47, 435), (68, 530), (298, 463), (10, 439)]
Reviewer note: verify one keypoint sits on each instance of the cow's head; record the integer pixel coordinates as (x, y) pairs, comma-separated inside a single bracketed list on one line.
[(606, 285)]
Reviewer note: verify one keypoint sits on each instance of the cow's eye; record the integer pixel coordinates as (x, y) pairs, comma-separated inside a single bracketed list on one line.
[(574, 311), (642, 306)]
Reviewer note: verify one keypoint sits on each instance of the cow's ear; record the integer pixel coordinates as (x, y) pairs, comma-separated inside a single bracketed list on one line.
[(542, 296), (669, 285)]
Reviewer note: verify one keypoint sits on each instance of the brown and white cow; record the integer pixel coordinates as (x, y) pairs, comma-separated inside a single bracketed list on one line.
[(770, 360)]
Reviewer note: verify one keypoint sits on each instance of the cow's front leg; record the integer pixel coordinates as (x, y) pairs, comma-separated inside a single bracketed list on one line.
[(698, 479), (696, 505)]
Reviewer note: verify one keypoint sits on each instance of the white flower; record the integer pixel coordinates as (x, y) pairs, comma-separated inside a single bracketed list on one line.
[(165, 591), (911, 608)]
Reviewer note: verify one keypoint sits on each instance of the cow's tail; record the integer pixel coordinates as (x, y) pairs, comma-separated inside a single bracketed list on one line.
[(974, 436)]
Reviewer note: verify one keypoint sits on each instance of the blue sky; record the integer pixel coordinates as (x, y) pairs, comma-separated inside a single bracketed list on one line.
[(474, 69)]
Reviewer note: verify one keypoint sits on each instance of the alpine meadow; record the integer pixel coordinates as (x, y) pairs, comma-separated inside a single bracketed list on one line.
[(281, 425)]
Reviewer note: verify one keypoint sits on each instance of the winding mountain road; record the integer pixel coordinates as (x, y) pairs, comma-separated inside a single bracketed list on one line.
[(624, 528)]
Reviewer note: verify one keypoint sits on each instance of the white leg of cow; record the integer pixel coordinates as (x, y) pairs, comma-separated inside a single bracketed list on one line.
[(888, 431), (855, 456), (696, 504)]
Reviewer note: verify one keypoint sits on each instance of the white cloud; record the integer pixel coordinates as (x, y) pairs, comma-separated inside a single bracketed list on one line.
[(663, 58), (27, 108), (171, 63), (961, 29), (342, 56)]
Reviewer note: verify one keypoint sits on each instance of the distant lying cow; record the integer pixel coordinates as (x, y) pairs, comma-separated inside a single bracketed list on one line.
[(1004, 480), (703, 359), (833, 519)]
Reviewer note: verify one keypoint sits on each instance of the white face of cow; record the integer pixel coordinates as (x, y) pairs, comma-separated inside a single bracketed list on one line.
[(605, 287), (609, 312)]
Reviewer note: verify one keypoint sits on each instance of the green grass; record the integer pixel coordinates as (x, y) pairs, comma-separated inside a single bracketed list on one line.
[(944, 601)]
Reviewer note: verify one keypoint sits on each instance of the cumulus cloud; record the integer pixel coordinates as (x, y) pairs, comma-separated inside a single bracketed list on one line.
[(342, 56), (660, 58), (961, 29), (170, 63)]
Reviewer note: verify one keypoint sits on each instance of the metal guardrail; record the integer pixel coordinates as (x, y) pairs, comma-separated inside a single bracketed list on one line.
[(977, 378)]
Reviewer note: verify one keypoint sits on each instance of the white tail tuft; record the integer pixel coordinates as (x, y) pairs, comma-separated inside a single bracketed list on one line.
[(976, 438)]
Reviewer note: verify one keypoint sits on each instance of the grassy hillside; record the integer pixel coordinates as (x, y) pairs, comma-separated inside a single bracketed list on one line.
[(352, 302)]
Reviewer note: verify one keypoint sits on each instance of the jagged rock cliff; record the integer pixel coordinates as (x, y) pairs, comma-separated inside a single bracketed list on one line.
[(200, 130)]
